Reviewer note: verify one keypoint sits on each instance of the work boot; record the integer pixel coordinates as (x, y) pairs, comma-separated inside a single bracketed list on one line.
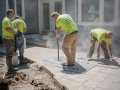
[(9, 64), (107, 57), (89, 59), (22, 60), (67, 64), (13, 69)]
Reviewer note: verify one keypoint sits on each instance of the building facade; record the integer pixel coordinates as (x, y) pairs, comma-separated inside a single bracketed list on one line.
[(87, 14)]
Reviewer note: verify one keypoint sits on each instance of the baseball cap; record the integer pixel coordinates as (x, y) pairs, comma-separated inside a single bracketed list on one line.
[(54, 13), (16, 16)]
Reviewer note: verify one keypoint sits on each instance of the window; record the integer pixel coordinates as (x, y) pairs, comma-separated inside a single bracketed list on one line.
[(96, 12), (17, 6)]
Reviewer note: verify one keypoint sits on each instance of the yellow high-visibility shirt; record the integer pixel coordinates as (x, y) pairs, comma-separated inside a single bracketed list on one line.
[(66, 23), (19, 24), (6, 23), (99, 34)]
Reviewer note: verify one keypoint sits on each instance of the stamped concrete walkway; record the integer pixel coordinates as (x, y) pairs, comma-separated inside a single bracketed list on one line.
[(85, 75)]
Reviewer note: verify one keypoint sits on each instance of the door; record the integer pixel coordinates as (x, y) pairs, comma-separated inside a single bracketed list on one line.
[(46, 9)]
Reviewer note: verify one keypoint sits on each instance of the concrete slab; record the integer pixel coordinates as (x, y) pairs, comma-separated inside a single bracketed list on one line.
[(100, 89), (100, 76), (84, 88), (78, 68), (96, 69), (39, 53), (92, 75), (111, 61), (92, 83), (53, 61), (55, 70), (60, 75), (109, 85), (71, 85), (113, 79), (81, 55), (77, 77), (111, 71)]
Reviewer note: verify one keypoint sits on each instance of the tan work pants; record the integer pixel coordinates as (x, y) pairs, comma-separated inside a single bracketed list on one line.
[(92, 47), (69, 47)]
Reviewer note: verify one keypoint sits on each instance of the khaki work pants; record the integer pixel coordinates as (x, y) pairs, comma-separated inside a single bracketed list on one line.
[(92, 47), (69, 47)]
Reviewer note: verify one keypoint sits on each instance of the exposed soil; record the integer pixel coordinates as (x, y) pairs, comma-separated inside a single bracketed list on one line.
[(32, 78)]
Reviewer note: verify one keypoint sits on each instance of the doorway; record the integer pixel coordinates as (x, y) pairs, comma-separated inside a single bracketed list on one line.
[(46, 7)]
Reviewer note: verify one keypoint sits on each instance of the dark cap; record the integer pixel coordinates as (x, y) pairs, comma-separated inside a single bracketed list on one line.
[(54, 13)]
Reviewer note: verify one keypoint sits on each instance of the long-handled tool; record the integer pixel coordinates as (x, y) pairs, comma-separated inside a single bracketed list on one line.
[(58, 47), (15, 49), (15, 60)]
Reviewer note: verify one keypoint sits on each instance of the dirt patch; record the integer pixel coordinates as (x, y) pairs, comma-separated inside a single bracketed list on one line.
[(3, 86), (31, 78)]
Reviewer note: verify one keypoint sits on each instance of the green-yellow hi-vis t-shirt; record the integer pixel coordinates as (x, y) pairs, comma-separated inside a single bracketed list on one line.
[(99, 34), (19, 24), (6, 23), (66, 23)]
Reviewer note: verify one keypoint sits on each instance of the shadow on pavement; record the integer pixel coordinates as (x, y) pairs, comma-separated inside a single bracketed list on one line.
[(77, 69), (109, 61)]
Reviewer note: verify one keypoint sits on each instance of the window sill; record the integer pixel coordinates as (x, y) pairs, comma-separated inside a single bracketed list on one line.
[(98, 23)]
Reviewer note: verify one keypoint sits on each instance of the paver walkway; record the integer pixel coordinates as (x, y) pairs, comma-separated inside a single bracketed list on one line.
[(91, 75), (102, 74)]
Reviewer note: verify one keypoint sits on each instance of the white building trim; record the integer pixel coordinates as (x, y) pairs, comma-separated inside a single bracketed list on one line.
[(15, 8), (101, 14)]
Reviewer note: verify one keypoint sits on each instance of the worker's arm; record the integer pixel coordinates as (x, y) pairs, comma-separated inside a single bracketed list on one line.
[(24, 30), (61, 30), (109, 45), (10, 30), (110, 48), (24, 27), (58, 32), (98, 50)]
